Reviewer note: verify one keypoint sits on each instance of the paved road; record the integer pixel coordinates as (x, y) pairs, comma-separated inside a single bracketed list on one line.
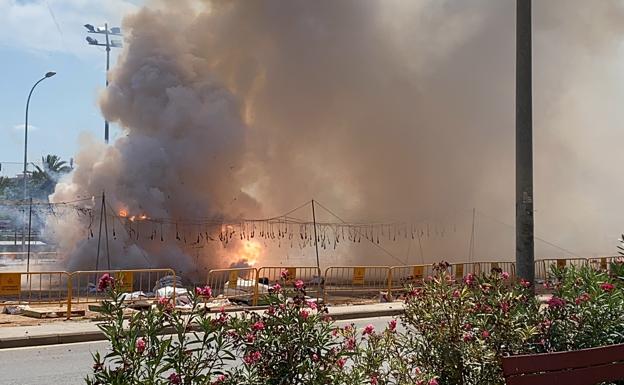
[(69, 364)]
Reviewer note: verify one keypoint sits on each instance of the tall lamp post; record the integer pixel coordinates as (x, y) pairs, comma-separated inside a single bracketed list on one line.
[(115, 31), (47, 75)]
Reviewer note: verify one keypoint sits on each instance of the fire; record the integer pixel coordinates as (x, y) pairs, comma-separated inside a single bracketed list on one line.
[(125, 214), (249, 253)]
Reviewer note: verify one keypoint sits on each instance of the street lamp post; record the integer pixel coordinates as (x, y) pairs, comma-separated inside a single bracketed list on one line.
[(47, 75), (115, 31)]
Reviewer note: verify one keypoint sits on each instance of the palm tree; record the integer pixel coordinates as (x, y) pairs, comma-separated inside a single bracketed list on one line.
[(53, 166), (5, 183), (45, 177)]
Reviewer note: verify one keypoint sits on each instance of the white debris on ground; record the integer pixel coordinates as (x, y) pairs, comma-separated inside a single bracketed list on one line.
[(14, 309), (137, 295)]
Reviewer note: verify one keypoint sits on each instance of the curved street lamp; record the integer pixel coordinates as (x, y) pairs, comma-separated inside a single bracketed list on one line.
[(47, 75)]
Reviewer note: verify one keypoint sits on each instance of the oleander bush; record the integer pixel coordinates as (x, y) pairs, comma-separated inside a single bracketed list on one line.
[(461, 330), (453, 332), (586, 309)]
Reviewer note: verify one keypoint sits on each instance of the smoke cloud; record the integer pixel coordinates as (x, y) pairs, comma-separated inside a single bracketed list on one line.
[(381, 110)]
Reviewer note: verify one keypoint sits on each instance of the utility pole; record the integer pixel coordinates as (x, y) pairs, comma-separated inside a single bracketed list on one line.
[(115, 31), (525, 248)]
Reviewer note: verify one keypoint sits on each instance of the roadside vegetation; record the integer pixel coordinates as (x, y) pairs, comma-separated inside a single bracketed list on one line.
[(452, 332)]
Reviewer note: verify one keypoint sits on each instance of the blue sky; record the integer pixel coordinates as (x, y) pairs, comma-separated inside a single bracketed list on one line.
[(37, 36)]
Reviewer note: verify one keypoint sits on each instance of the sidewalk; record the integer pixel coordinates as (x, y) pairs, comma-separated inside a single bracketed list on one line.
[(63, 332)]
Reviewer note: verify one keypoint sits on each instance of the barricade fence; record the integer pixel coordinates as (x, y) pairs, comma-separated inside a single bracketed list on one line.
[(250, 285), (42, 288), (234, 284), (352, 281), (139, 283), (310, 275)]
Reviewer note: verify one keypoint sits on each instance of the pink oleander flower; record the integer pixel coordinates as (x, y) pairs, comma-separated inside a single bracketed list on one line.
[(165, 304), (298, 284), (469, 279), (505, 275), (505, 307), (271, 310), (467, 326), (341, 362), (315, 357), (456, 294), (105, 282), (525, 283), (350, 343), (369, 329), (218, 380), (304, 314), (140, 345), (485, 334), (607, 286), (250, 338), (252, 358), (433, 381), (276, 288), (175, 379), (392, 325), (258, 326), (205, 291), (312, 305), (467, 337), (556, 302), (284, 274), (373, 380)]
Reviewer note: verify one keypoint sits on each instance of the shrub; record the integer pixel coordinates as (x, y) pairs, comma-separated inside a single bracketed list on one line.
[(460, 330), (195, 353), (586, 310), (292, 342)]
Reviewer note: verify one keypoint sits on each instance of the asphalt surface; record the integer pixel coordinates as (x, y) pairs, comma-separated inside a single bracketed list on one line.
[(69, 364)]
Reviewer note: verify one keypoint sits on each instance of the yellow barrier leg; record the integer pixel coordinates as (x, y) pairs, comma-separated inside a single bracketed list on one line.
[(69, 297)]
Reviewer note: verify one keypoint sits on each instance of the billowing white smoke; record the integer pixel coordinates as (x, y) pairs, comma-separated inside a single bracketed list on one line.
[(390, 110)]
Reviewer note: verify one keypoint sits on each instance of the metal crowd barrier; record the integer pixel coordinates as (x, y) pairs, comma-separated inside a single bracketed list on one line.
[(543, 266), (310, 275), (488, 267), (401, 276), (34, 288), (140, 284), (234, 284), (352, 280), (249, 284), (602, 263)]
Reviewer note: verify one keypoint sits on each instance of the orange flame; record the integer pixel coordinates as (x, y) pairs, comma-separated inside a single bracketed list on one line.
[(123, 213), (251, 252)]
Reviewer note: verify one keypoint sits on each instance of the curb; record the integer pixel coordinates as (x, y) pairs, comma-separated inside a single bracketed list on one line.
[(77, 337)]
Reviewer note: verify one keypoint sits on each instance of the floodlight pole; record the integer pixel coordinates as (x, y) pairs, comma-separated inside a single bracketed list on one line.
[(108, 46), (107, 68), (525, 247)]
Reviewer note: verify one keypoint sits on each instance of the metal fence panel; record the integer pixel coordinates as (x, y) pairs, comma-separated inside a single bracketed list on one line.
[(356, 280)]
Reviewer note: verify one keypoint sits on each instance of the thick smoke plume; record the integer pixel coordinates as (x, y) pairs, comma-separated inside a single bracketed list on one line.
[(381, 110)]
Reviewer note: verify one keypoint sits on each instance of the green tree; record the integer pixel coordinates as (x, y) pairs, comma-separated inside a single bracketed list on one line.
[(44, 178)]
